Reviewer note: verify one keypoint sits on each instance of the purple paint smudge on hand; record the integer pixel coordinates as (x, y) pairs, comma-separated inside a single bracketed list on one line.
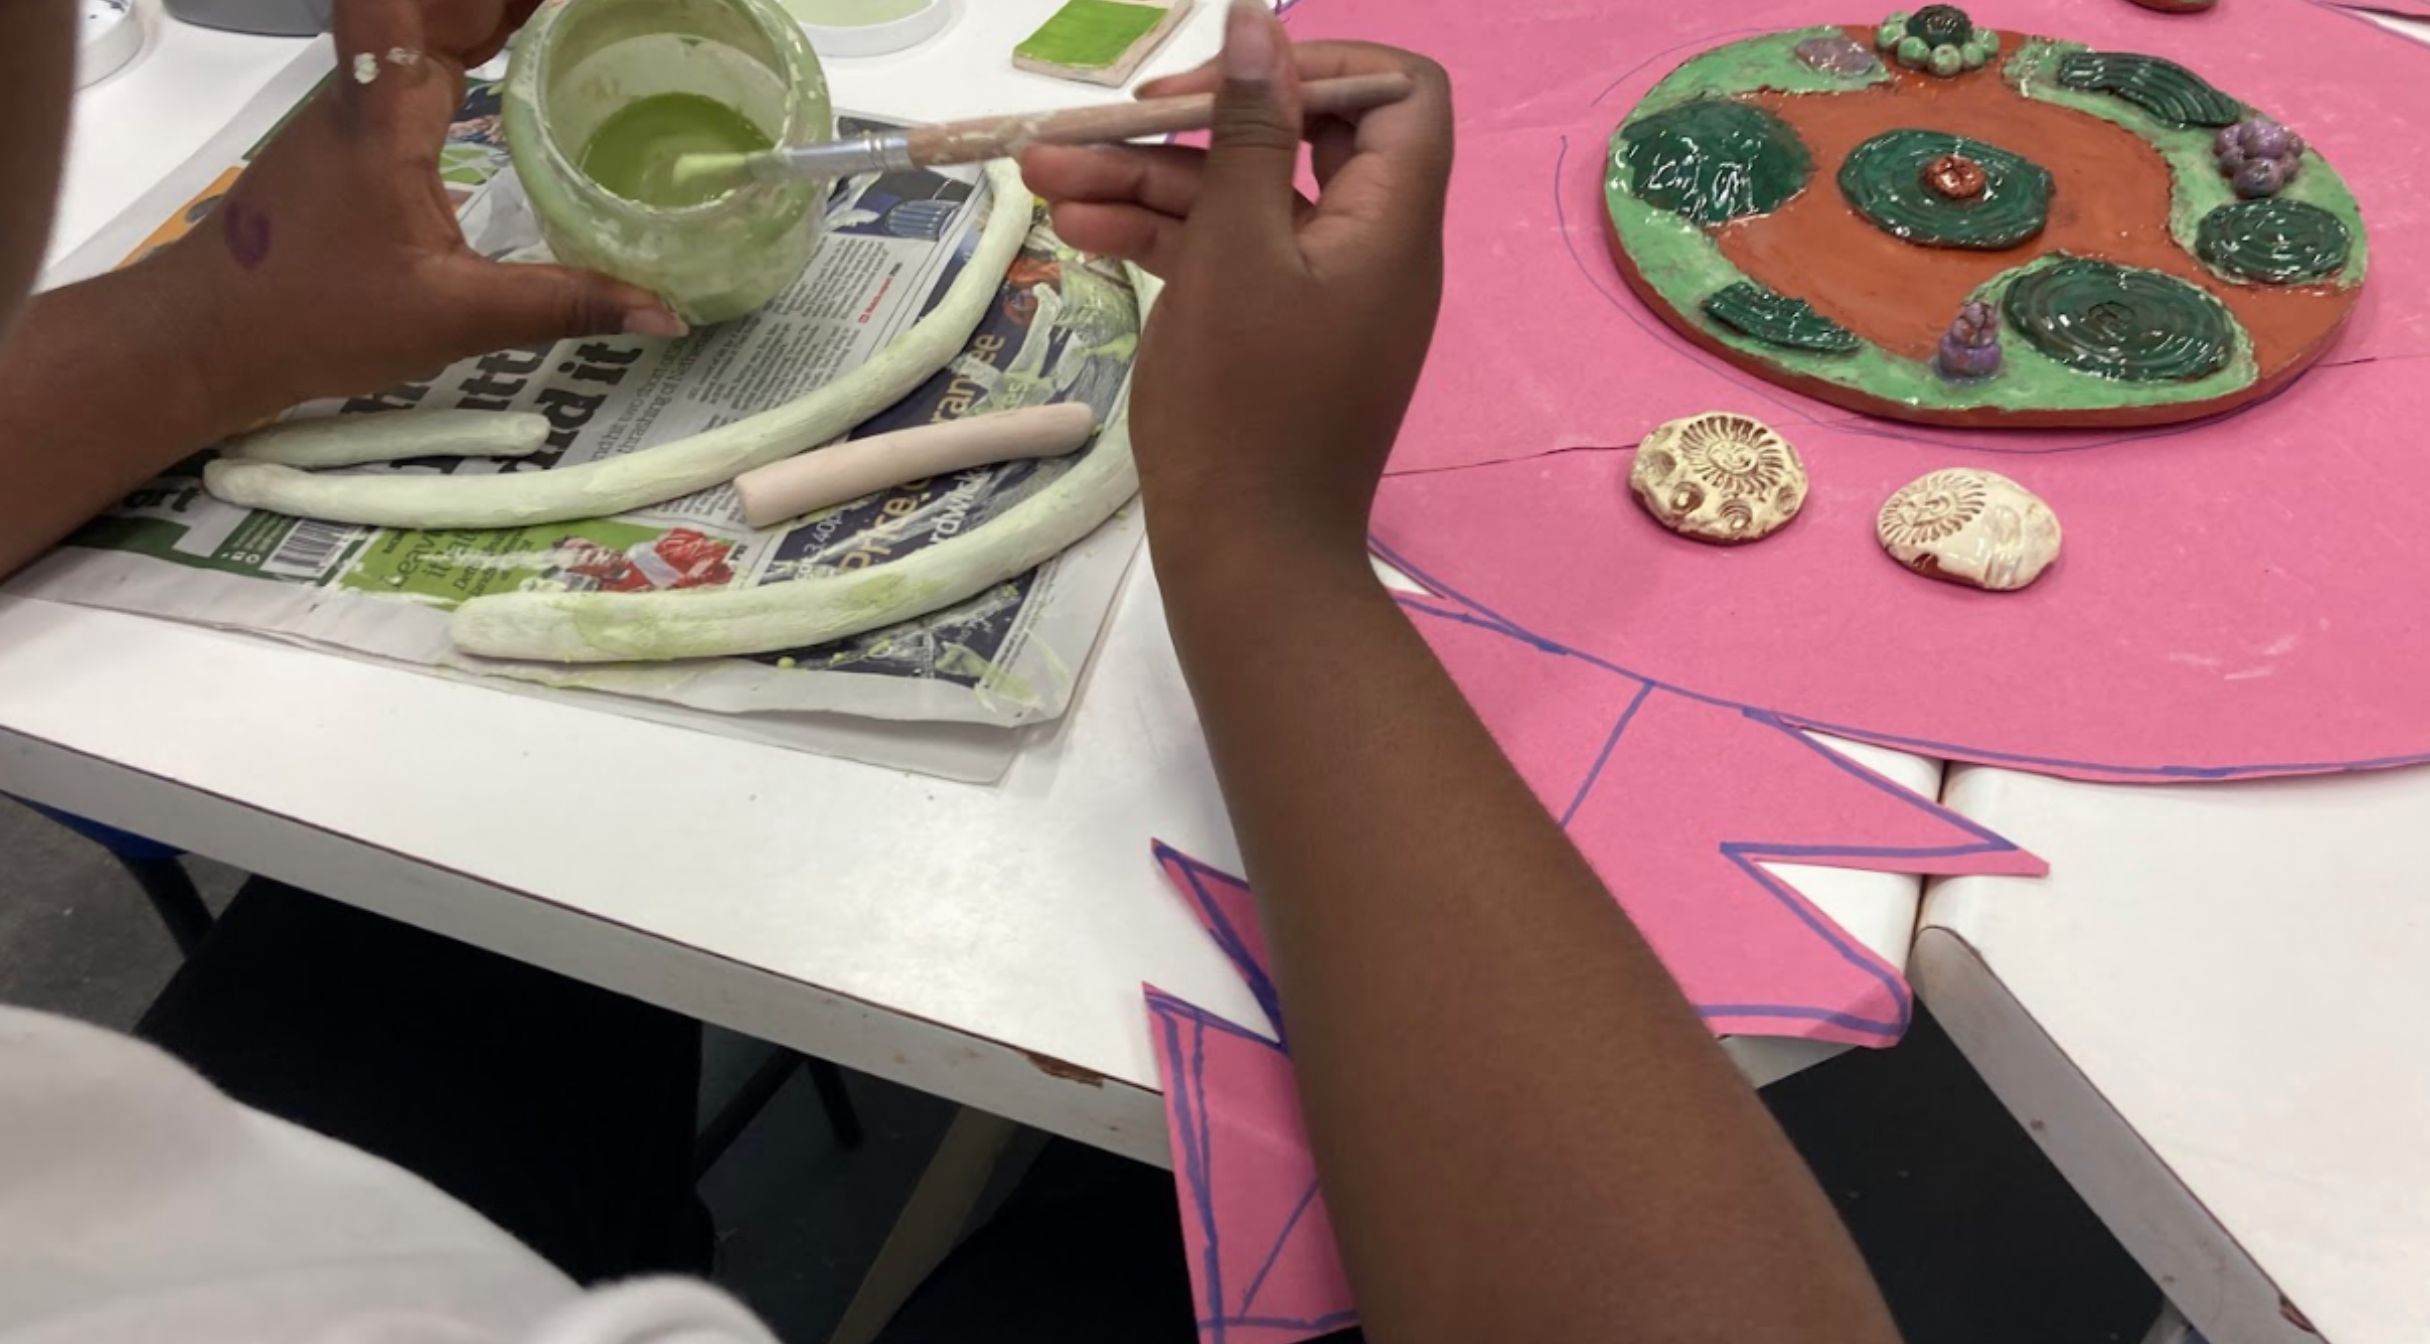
[(248, 234)]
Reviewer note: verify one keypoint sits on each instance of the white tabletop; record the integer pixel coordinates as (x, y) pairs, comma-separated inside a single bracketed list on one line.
[(2210, 1014), (986, 943)]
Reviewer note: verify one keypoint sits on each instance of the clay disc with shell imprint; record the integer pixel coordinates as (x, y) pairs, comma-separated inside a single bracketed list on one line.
[(1969, 526), (1719, 477)]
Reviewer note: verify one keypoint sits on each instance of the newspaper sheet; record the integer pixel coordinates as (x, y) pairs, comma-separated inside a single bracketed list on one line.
[(1064, 328)]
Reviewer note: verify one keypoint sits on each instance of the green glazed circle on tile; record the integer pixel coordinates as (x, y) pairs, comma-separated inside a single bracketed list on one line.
[(2121, 322), (2272, 242), (1883, 179), (1713, 160)]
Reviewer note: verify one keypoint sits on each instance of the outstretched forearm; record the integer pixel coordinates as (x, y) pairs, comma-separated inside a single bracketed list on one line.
[(104, 384), (1523, 1129)]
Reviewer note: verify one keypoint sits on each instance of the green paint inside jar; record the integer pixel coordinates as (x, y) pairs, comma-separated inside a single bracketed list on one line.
[(633, 152), (601, 98)]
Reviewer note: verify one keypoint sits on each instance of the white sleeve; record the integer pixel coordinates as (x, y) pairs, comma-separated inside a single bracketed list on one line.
[(137, 1203)]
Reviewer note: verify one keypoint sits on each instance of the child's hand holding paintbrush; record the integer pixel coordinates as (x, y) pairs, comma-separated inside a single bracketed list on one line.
[(1273, 373)]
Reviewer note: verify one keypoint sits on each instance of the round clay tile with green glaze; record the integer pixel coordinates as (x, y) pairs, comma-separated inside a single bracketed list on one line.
[(1853, 323)]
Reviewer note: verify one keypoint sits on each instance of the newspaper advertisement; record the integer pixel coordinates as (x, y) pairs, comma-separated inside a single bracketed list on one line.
[(1063, 328)]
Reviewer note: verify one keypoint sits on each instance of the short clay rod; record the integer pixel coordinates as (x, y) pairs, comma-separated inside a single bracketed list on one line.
[(849, 470)]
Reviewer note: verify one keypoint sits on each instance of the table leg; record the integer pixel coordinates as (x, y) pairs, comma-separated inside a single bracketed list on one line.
[(930, 1223)]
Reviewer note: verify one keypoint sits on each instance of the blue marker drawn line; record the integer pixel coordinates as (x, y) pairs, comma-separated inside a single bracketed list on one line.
[(1595, 772), (1191, 1103), (1836, 939), (1747, 1015), (1994, 842), (1331, 1320), (1228, 937), (1197, 1167), (1274, 1253), (1745, 854), (1492, 620)]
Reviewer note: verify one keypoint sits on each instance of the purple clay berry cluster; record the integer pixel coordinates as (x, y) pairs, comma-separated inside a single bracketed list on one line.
[(2259, 156), (1971, 349)]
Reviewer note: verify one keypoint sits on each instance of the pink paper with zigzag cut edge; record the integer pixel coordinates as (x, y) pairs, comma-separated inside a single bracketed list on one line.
[(1263, 1265), (1751, 953), (1675, 799), (1228, 909)]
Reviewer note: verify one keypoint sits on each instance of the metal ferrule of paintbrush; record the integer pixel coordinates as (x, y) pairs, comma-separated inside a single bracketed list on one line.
[(874, 152)]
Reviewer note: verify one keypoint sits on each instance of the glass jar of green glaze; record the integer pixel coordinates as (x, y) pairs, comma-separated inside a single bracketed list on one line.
[(602, 97)]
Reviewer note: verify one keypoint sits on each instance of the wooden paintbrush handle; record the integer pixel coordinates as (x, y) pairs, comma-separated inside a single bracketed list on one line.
[(999, 137)]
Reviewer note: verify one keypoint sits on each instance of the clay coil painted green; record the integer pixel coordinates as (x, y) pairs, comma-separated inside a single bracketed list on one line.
[(2165, 89), (2121, 322), (1883, 180), (2272, 242), (1777, 320), (1714, 160)]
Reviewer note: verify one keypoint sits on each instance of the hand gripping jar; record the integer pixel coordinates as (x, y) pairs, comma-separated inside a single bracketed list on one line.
[(596, 85)]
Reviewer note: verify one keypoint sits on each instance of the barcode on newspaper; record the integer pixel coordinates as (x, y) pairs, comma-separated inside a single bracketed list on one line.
[(310, 549)]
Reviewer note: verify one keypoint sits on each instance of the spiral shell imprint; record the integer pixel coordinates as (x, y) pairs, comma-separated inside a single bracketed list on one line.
[(1719, 477), (1972, 527)]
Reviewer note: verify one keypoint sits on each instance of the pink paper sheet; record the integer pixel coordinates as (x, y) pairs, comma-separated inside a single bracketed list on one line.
[(2239, 597), (2225, 606), (1675, 800), (1263, 1265), (1228, 908), (1541, 347), (1264, 1268)]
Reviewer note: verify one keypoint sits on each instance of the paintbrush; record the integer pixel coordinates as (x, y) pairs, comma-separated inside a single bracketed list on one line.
[(984, 138)]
